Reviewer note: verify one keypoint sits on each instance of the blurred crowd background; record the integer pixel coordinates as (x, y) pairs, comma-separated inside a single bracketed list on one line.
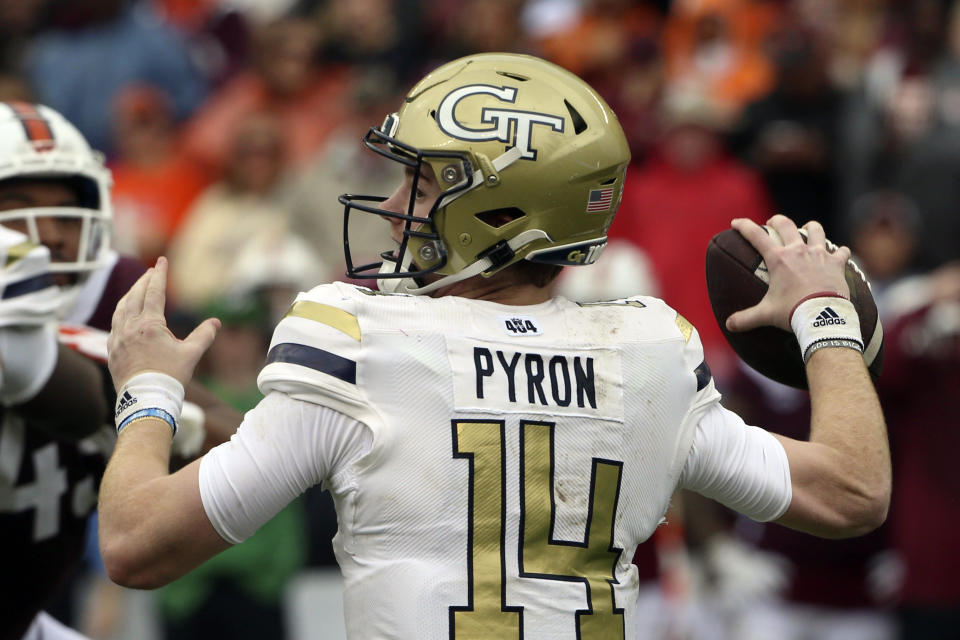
[(231, 126)]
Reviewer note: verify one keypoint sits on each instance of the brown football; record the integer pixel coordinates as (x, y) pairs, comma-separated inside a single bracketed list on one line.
[(737, 278)]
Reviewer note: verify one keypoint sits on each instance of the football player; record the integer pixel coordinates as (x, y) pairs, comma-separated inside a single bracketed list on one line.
[(51, 185), (51, 446), (495, 454), (55, 210)]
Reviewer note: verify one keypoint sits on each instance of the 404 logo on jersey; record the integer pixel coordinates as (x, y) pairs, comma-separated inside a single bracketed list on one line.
[(520, 325)]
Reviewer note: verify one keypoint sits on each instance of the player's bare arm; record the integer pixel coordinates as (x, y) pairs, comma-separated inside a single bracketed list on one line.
[(152, 524), (841, 478)]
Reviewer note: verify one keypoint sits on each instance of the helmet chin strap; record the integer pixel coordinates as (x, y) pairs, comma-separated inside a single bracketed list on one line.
[(409, 285), (396, 285)]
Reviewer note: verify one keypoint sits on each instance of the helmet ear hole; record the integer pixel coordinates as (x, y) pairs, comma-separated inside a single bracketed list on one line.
[(497, 218)]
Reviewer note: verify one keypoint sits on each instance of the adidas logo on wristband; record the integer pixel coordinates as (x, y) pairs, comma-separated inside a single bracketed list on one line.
[(827, 317), (126, 401), (817, 325)]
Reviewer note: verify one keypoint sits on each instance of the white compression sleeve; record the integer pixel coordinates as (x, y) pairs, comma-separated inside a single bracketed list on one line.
[(283, 447), (28, 355), (742, 467)]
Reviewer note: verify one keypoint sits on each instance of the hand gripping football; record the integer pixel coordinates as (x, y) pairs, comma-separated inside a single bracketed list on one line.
[(737, 278)]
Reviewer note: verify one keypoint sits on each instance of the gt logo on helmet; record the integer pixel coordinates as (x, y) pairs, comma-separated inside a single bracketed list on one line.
[(511, 126), (585, 257)]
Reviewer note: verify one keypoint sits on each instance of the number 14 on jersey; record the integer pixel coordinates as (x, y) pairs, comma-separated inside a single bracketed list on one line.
[(591, 561)]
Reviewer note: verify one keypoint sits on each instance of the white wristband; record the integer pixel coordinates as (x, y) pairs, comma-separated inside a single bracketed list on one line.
[(149, 395), (826, 321)]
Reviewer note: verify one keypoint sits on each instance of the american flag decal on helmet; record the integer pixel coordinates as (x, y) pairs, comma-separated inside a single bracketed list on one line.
[(599, 200), (36, 127)]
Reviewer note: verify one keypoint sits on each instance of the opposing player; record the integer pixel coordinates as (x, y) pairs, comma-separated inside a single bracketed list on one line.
[(495, 454), (53, 405), (51, 185), (53, 448)]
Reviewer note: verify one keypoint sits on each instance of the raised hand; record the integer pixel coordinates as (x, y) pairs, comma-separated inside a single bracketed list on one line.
[(797, 270), (140, 340)]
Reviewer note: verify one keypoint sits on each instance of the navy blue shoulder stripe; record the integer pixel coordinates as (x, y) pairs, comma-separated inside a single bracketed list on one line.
[(317, 359), (36, 283), (703, 375)]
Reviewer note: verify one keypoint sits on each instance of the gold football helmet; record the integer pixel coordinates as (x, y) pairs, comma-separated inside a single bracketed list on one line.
[(531, 161)]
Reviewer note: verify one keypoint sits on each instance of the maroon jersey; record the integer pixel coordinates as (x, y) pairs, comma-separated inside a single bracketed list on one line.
[(919, 385), (830, 573), (48, 487), (103, 291), (47, 490)]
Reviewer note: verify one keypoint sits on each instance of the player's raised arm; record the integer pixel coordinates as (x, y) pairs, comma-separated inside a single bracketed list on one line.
[(146, 515), (841, 477)]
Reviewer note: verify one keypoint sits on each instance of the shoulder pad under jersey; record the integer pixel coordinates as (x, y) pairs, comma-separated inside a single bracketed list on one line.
[(315, 351), (693, 356), (28, 295), (656, 320)]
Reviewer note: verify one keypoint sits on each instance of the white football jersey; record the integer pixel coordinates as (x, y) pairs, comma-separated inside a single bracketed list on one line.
[(519, 454)]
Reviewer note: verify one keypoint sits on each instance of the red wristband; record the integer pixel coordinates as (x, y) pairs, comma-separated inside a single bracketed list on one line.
[(818, 294)]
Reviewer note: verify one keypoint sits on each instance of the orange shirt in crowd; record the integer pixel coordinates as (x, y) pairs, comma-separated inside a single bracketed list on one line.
[(307, 118), (150, 203), (737, 69)]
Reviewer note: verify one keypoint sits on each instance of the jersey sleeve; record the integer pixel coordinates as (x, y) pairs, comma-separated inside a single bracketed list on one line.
[(282, 448), (316, 350), (740, 466)]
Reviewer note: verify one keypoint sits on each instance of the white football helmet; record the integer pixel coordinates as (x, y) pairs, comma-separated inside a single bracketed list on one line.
[(37, 142)]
